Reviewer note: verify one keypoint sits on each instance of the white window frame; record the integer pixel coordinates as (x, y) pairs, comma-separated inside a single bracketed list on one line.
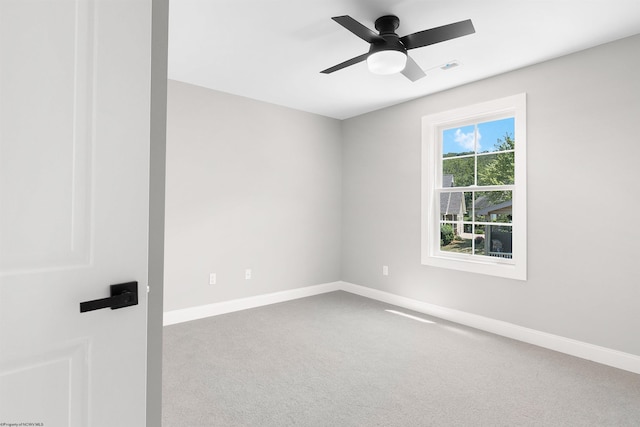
[(432, 127)]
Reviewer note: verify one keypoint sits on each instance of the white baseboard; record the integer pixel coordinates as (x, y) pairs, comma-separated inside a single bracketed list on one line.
[(603, 355), (202, 311)]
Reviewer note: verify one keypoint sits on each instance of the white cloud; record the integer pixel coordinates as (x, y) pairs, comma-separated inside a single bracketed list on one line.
[(466, 140)]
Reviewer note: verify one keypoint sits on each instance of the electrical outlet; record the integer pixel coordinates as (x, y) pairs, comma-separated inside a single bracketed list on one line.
[(247, 274), (385, 270), (212, 278)]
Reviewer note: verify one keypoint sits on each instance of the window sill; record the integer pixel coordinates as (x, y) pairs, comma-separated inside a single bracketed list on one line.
[(475, 265)]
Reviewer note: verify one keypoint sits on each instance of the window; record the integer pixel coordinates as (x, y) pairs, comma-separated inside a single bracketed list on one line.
[(474, 188)]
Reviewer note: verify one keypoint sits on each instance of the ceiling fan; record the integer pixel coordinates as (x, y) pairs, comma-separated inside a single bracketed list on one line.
[(388, 51)]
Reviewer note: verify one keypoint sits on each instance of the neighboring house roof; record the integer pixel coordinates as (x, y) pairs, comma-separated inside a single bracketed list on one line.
[(484, 206), (451, 203)]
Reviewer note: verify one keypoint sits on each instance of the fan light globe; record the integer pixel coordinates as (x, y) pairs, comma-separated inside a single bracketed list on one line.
[(387, 62)]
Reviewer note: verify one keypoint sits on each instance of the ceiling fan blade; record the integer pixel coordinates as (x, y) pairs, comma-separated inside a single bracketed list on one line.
[(346, 63), (358, 29), (438, 34), (412, 70)]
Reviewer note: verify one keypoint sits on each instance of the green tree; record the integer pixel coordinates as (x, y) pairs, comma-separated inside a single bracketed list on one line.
[(462, 169), (498, 168)]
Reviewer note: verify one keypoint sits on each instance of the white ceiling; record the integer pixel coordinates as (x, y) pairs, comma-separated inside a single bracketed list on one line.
[(274, 50)]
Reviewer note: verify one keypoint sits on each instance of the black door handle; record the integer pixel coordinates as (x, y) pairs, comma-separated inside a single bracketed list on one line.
[(122, 295)]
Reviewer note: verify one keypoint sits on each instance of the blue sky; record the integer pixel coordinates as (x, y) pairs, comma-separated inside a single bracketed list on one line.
[(461, 139)]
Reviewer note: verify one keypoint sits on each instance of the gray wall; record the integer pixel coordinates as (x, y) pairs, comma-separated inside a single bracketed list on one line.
[(252, 185), (584, 195), (249, 185)]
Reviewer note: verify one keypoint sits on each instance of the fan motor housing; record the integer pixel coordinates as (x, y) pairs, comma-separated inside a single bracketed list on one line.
[(387, 24)]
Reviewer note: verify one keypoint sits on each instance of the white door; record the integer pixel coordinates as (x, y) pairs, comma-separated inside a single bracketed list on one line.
[(74, 177)]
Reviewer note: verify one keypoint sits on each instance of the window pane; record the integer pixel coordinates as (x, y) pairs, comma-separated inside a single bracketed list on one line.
[(453, 206), (452, 239), (496, 169), (479, 240), (458, 172), (493, 206), (458, 141), (447, 236), (498, 240), (496, 135), (468, 204)]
